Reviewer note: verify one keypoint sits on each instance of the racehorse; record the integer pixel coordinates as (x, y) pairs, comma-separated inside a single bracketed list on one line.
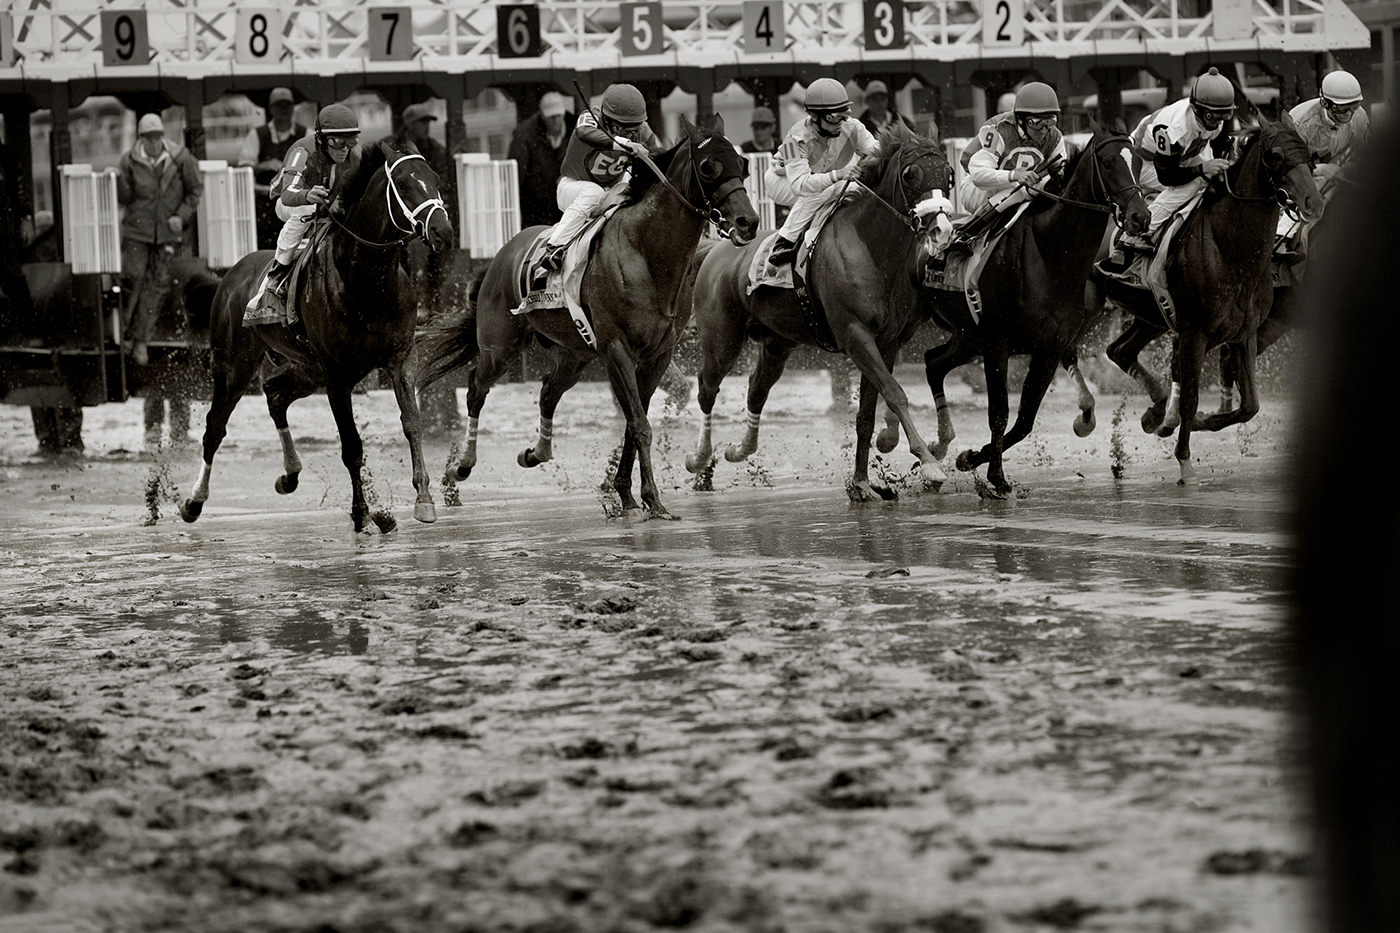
[(1220, 280), (358, 313), (1033, 299), (628, 291), (864, 303)]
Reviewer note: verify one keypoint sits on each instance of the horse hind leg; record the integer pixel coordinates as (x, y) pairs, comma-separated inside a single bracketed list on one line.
[(563, 377), (1084, 422), (1124, 353), (772, 359), (490, 366), (938, 363)]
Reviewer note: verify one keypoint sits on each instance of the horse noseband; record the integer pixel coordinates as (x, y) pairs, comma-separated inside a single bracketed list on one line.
[(418, 226)]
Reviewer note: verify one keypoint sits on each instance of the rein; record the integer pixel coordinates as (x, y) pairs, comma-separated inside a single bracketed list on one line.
[(1280, 196), (391, 195), (721, 194), (1109, 208), (911, 223)]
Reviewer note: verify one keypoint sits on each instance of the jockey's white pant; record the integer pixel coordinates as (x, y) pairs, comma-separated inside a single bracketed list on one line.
[(1170, 200), (805, 208), (295, 221), (578, 198), (972, 198)]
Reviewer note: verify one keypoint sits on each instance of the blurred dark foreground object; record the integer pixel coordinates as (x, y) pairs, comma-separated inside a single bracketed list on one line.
[(1348, 525)]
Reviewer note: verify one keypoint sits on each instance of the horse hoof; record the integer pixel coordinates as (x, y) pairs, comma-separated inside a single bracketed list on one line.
[(861, 492), (886, 441), (191, 510), (460, 473), (287, 484), (385, 522), (965, 463), (527, 458), (1084, 425), (1166, 430), (734, 455), (425, 512), (694, 463), (885, 493), (1152, 420), (940, 450)]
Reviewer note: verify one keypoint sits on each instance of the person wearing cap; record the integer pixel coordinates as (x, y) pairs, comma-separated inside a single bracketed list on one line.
[(878, 114), (1334, 125), (264, 148), (159, 185), (816, 157), (1182, 146), (764, 126), (538, 146), (599, 156), (309, 184), (415, 126)]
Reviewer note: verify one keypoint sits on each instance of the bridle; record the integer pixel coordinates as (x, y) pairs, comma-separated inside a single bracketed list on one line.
[(713, 200), (1098, 181), (907, 213), (1280, 195), (416, 218)]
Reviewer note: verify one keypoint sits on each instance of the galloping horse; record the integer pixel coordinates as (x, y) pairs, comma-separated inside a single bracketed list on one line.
[(1033, 288), (628, 290), (1221, 283), (861, 279), (358, 311)]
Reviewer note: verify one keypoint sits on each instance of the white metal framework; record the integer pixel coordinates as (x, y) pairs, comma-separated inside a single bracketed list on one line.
[(92, 237), (488, 198), (227, 225), (62, 39)]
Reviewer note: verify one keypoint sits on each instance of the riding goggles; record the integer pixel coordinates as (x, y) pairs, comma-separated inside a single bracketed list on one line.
[(1043, 120), (833, 117), (342, 142)]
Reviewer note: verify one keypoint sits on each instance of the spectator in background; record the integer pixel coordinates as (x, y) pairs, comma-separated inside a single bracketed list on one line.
[(764, 126), (159, 184), (416, 127), (264, 148), (538, 146), (878, 114)]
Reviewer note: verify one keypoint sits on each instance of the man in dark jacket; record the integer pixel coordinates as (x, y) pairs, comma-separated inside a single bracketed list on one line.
[(878, 113), (417, 124), (538, 148), (159, 184)]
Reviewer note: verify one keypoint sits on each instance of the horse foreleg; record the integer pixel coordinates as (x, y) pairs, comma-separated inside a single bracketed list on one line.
[(1085, 422), (649, 377), (1190, 352), (352, 454), (865, 352), (622, 374), (1245, 356), (1124, 353), (888, 438), (938, 363), (281, 390), (998, 414), (228, 389), (860, 489), (1037, 383), (424, 510), (490, 365), (772, 359)]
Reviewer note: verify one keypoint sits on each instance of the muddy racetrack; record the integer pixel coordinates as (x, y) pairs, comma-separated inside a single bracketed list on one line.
[(782, 712)]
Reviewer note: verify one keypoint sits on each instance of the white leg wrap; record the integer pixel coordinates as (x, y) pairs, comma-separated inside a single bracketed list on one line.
[(201, 485)]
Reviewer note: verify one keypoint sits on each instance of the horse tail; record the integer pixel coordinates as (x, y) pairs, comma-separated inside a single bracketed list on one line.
[(449, 343)]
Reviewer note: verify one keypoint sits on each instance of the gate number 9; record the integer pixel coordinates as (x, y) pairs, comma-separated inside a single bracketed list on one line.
[(124, 37)]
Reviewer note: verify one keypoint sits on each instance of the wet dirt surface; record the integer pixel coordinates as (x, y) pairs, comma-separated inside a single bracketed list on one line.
[(943, 713)]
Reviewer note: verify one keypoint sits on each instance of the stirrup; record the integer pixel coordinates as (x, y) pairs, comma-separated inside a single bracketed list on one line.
[(552, 259), (783, 253)]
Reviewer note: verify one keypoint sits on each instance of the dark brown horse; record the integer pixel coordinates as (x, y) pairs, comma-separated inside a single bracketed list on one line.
[(1220, 280), (1033, 288), (862, 281), (628, 291), (358, 313)]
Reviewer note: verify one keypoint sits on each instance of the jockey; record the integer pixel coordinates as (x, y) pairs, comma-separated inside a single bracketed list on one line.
[(311, 177), (597, 158), (1333, 125), (816, 154), (1178, 146), (1013, 148)]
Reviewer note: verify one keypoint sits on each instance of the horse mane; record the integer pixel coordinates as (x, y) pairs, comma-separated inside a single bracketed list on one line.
[(1077, 154), (894, 139), (642, 176), (371, 160)]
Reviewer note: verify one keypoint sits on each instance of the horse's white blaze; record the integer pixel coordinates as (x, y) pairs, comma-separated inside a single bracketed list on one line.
[(201, 485)]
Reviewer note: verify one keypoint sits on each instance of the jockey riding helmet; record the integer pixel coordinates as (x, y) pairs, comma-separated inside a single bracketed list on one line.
[(1036, 98), (337, 120), (827, 100), (623, 104), (1213, 98), (1341, 95)]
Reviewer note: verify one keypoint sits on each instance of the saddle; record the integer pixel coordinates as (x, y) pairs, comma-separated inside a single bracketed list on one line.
[(1148, 272), (560, 290), (783, 276), (266, 307), (962, 261)]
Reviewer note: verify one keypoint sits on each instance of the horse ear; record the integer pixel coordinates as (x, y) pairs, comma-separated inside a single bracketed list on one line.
[(1119, 126), (719, 123), (1286, 119), (386, 148), (686, 125), (1095, 127)]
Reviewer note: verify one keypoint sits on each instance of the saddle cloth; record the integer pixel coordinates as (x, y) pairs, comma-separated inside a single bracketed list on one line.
[(782, 276), (266, 307), (1149, 272), (560, 290)]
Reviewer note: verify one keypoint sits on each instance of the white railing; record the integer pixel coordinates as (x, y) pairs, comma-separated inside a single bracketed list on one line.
[(757, 187), (586, 34), (227, 227), (488, 200), (92, 237)]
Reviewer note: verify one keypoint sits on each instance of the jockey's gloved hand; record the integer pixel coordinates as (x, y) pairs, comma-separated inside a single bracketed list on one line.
[(1023, 176), (1214, 168)]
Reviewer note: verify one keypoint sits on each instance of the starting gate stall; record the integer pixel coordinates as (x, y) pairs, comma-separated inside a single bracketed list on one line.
[(488, 198), (227, 226), (757, 187)]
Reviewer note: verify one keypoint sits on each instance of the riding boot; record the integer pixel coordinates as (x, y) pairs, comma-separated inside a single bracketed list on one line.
[(279, 278), (784, 251), (553, 258)]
